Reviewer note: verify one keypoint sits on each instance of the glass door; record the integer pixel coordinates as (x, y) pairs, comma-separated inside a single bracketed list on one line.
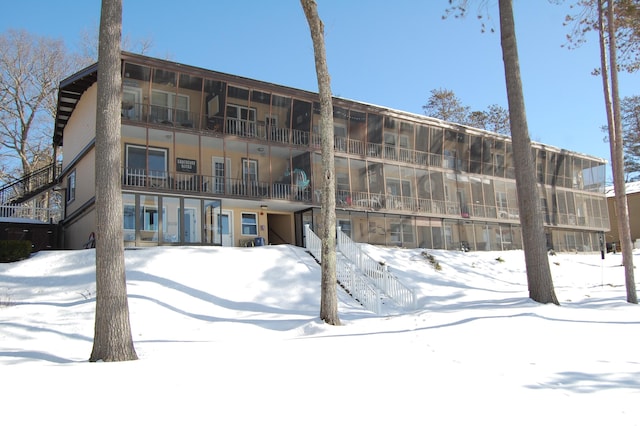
[(225, 227)]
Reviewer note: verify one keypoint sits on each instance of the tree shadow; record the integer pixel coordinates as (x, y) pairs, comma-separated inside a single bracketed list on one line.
[(22, 356), (582, 382)]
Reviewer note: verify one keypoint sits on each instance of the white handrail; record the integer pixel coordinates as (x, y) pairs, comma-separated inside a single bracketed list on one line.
[(30, 211), (378, 273), (348, 276)]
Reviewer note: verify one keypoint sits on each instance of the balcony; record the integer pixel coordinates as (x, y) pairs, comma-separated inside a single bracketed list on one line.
[(259, 130), (185, 183)]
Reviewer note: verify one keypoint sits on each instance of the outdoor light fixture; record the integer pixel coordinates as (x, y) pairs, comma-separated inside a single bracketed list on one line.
[(263, 206)]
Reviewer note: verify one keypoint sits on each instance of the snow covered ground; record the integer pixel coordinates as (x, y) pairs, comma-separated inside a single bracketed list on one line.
[(231, 336)]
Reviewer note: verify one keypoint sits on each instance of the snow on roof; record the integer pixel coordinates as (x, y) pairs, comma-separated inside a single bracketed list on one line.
[(630, 188)]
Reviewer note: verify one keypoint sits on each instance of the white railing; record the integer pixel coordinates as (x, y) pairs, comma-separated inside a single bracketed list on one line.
[(25, 211), (378, 273), (357, 285), (349, 277), (312, 243)]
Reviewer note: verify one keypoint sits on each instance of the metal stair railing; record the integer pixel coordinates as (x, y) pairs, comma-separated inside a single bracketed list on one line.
[(350, 278), (29, 185), (378, 273)]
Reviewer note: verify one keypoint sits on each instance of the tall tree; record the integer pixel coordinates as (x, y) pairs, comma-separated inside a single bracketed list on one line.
[(494, 119), (617, 24), (539, 280), (534, 242), (30, 69), (626, 17), (112, 340), (498, 119), (609, 72), (630, 109), (329, 297), (89, 44), (445, 105)]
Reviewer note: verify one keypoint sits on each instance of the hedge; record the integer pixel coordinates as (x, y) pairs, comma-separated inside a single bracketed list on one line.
[(13, 250)]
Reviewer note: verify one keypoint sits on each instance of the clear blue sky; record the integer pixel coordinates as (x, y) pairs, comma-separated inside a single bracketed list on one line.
[(389, 53)]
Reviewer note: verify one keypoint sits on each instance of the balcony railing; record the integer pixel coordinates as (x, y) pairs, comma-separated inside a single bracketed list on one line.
[(359, 200), (174, 117), (189, 182)]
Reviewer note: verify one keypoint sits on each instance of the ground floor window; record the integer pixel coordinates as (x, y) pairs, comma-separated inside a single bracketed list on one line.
[(154, 219), (249, 224), (424, 232), (129, 216), (345, 226)]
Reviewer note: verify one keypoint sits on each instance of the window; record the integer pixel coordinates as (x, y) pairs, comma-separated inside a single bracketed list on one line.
[(241, 120), (139, 157), (271, 121), (150, 215), (249, 170), (501, 201), (345, 226), (221, 172), (395, 233), (131, 103), (129, 214), (169, 107), (407, 233), (401, 233), (71, 186), (404, 141), (249, 224), (390, 139), (339, 136), (340, 131), (273, 131)]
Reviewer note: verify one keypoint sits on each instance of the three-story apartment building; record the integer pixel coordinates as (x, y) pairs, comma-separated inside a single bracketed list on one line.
[(213, 158)]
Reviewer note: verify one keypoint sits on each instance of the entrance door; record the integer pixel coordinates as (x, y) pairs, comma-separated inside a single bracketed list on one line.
[(190, 225), (221, 173), (225, 227)]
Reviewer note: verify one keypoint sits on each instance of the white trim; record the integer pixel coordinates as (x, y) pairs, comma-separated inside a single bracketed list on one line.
[(254, 214)]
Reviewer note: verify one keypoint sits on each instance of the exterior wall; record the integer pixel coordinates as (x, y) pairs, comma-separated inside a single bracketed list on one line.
[(81, 128), (192, 139), (633, 202), (79, 157), (242, 239), (77, 232), (85, 183)]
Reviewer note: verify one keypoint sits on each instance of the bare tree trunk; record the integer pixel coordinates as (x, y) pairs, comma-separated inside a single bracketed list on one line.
[(329, 297), (533, 237), (112, 340), (614, 124)]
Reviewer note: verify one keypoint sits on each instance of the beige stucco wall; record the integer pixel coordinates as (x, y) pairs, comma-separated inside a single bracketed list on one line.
[(76, 233), (633, 201), (263, 229), (81, 128), (78, 135)]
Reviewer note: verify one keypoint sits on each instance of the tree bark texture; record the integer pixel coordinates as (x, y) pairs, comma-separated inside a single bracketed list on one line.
[(112, 339), (329, 297), (534, 242), (616, 145)]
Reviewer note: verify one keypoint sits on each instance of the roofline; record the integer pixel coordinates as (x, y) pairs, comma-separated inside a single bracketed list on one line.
[(70, 90), (89, 75)]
